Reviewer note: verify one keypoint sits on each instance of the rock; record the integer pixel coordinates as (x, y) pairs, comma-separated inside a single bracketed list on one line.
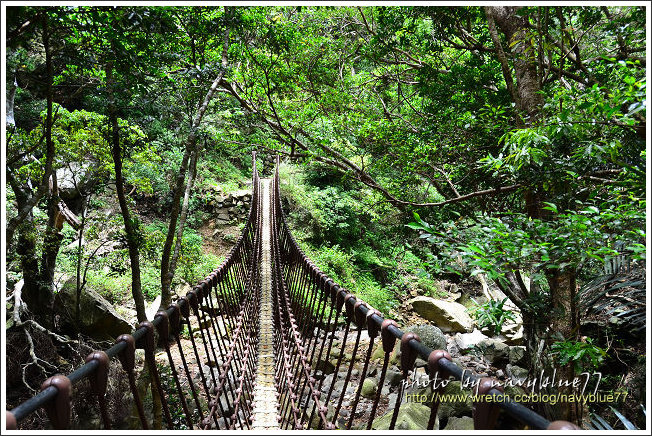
[(430, 336), (369, 387), (378, 353), (338, 388), (464, 341), (326, 367), (455, 408), (393, 377), (516, 338), (516, 355), (411, 416), (448, 316), (98, 319), (151, 309), (494, 351), (326, 384), (423, 395), (516, 373), (461, 423)]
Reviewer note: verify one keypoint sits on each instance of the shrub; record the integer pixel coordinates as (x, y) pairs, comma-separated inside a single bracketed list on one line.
[(491, 314), (584, 355)]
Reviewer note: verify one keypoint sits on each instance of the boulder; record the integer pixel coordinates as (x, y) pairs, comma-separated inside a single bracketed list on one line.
[(461, 423), (98, 319), (430, 336), (464, 341), (411, 416), (494, 351), (448, 316)]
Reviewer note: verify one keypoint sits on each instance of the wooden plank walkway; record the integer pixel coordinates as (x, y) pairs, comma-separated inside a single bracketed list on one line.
[(265, 412)]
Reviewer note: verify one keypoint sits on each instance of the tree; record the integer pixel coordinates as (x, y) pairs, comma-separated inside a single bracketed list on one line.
[(187, 171)]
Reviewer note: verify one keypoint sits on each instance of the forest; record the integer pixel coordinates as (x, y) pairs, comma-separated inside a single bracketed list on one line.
[(490, 157)]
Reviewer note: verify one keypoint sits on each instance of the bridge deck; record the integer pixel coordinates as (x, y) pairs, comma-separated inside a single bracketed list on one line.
[(265, 410)]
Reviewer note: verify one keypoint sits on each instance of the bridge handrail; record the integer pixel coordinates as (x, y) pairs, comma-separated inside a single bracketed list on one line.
[(516, 410)]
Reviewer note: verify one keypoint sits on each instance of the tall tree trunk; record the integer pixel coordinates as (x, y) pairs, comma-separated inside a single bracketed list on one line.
[(53, 236), (131, 228), (515, 29), (182, 221), (530, 101), (38, 291), (168, 263), (33, 199)]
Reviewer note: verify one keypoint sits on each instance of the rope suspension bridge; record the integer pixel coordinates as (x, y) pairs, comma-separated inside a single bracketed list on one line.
[(267, 317)]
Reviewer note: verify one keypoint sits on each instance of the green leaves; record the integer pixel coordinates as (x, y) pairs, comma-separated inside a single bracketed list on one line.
[(583, 355), (492, 315), (590, 235)]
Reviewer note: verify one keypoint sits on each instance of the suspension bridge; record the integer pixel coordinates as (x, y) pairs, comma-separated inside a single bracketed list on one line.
[(266, 320)]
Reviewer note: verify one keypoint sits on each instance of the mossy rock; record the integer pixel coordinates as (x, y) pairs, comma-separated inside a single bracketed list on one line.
[(460, 423), (455, 408), (411, 416), (369, 387)]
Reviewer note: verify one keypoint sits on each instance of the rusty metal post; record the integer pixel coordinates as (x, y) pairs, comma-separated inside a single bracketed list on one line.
[(58, 409), (388, 341), (99, 381), (434, 369), (485, 413), (128, 360)]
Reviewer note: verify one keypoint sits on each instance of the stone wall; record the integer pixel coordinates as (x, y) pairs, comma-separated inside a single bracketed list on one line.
[(229, 207)]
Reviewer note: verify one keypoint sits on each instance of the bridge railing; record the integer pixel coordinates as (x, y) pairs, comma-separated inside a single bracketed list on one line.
[(215, 323), (311, 309)]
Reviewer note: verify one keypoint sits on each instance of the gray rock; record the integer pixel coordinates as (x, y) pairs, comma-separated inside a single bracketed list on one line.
[(430, 336), (338, 388), (516, 373), (392, 399), (98, 319), (448, 316), (494, 351), (461, 423), (516, 355), (326, 384), (465, 341), (393, 377)]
